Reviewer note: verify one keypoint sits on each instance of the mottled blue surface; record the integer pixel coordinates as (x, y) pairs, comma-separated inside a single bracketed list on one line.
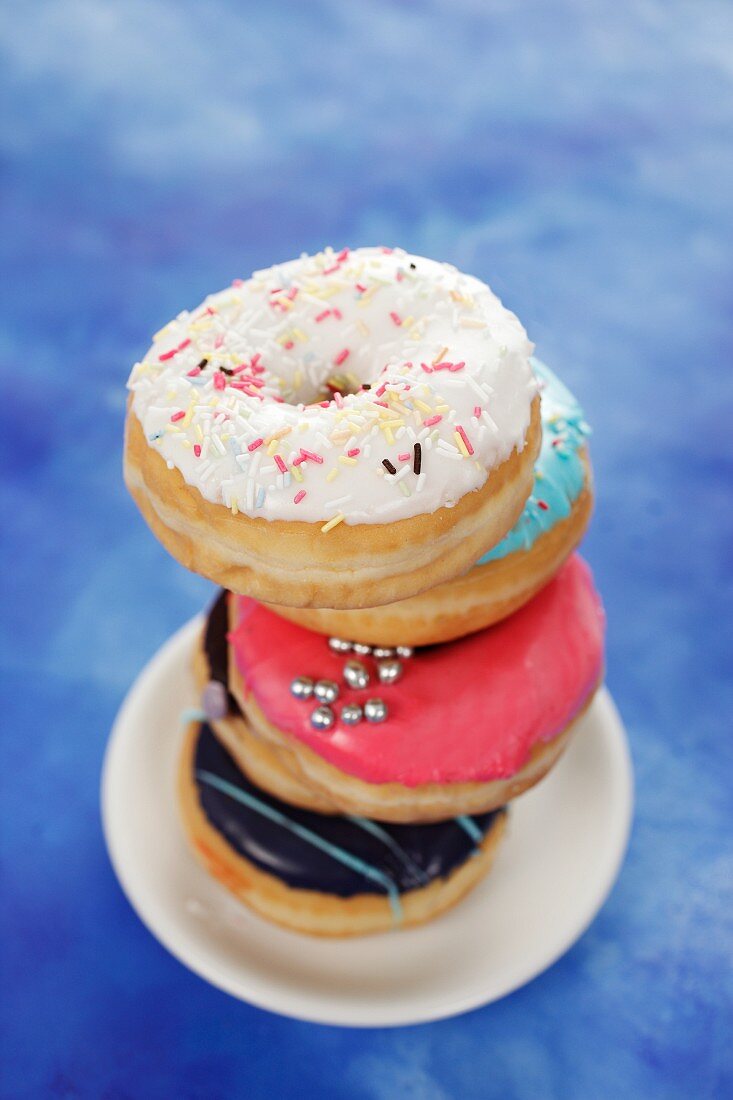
[(577, 154)]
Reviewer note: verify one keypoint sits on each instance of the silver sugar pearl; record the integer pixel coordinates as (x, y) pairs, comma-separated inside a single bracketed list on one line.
[(375, 710), (302, 687), (389, 672), (404, 651), (361, 649), (326, 691), (351, 714), (338, 645), (382, 651), (214, 701), (322, 718), (356, 675)]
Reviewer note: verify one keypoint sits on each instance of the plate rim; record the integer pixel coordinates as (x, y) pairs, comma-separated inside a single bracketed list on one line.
[(147, 910)]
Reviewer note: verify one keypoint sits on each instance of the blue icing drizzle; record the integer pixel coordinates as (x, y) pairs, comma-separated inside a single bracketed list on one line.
[(559, 473), (332, 850)]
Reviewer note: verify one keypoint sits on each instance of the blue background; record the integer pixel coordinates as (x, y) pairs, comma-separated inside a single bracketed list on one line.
[(577, 155)]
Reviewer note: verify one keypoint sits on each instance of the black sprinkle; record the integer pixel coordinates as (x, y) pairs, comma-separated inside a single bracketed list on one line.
[(388, 466), (226, 370), (366, 386), (417, 460), (413, 267), (202, 364)]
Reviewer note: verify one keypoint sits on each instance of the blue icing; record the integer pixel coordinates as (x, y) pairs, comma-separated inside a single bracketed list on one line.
[(559, 473)]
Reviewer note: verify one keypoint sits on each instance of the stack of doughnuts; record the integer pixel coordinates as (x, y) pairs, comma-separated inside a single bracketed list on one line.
[(360, 450)]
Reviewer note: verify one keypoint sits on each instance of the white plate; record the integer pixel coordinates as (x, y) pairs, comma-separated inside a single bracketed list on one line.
[(564, 846)]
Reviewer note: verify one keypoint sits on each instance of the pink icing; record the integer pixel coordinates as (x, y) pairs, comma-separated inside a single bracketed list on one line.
[(466, 711)]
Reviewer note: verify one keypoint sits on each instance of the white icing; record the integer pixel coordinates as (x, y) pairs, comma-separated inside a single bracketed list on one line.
[(443, 315)]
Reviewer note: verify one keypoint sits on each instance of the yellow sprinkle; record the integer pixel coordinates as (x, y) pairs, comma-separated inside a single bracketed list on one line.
[(235, 510), (442, 408), (332, 474), (347, 461), (295, 471), (406, 492), (332, 523), (199, 433), (363, 329), (187, 418), (440, 356), (274, 443), (460, 444), (387, 433), (406, 324), (471, 322), (303, 426), (161, 332), (300, 335), (422, 406)]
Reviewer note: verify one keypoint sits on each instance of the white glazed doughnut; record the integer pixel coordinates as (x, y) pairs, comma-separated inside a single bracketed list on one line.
[(355, 392)]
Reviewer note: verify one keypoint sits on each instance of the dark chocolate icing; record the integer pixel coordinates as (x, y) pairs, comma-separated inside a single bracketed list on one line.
[(408, 856), (216, 647)]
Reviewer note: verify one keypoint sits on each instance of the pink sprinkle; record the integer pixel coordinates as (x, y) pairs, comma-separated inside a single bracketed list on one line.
[(404, 457), (292, 294), (383, 404), (299, 496), (309, 454), (324, 404), (197, 450), (341, 357), (396, 318), (443, 366), (543, 505), (330, 270), (253, 363), (280, 464), (276, 290), (299, 460), (255, 444), (477, 411), (432, 420), (381, 389), (194, 372), (183, 344), (457, 366), (288, 345), (426, 368), (219, 381), (322, 316), (237, 282), (338, 399), (387, 251), (167, 355), (353, 452), (361, 288), (465, 438), (219, 341), (337, 314), (343, 255), (177, 416)]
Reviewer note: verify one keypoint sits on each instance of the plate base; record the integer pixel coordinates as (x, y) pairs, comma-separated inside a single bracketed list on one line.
[(563, 850)]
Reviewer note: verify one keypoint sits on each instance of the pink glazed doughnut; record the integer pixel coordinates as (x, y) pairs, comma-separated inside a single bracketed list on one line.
[(468, 726)]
